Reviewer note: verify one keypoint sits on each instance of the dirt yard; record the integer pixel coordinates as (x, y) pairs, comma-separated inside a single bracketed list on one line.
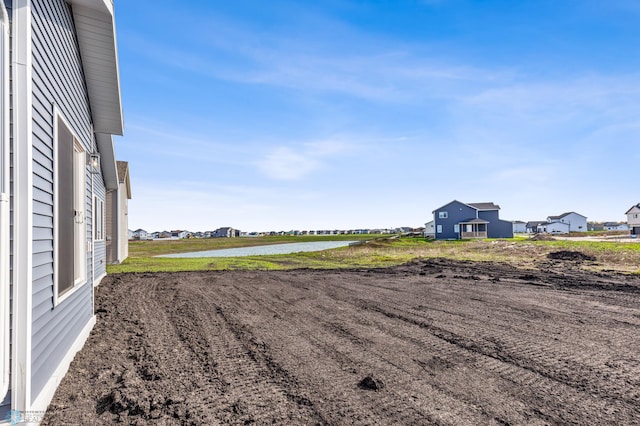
[(432, 342)]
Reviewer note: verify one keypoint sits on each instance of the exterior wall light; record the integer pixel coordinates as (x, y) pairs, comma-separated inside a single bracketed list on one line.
[(94, 162)]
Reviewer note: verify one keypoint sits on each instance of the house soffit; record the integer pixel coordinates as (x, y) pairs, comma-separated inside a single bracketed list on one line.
[(95, 27)]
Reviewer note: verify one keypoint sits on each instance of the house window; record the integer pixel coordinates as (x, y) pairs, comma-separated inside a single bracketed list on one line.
[(439, 229), (70, 255), (442, 215), (456, 228), (98, 219)]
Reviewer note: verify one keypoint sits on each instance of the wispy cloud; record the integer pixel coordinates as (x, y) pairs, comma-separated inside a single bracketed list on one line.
[(288, 163), (348, 62)]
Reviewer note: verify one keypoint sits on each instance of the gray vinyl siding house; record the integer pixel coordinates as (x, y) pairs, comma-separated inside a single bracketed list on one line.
[(58, 163), (457, 220)]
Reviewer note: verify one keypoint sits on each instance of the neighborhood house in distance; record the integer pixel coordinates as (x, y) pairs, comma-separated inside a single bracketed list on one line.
[(228, 232), (66, 196), (633, 219), (457, 220), (562, 224)]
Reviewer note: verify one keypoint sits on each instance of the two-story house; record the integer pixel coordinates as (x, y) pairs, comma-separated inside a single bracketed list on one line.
[(140, 234), (457, 220), (633, 219), (226, 232), (567, 222)]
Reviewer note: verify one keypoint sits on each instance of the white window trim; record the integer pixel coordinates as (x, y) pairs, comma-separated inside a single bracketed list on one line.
[(443, 215), (98, 207), (83, 279)]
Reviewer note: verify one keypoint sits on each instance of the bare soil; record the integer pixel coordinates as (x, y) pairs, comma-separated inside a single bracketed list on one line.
[(431, 342)]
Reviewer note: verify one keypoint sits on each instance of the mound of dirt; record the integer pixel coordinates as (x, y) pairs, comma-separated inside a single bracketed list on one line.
[(574, 256), (542, 237), (371, 383)]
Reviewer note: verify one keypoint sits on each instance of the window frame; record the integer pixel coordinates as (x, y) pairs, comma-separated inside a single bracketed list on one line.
[(443, 215), (98, 218), (80, 186)]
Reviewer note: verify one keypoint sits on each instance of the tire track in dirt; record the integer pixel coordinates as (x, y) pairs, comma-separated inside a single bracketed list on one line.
[(499, 358), (315, 346), (252, 392), (350, 365)]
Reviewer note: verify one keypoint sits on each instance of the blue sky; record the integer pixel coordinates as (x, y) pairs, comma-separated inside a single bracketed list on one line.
[(333, 114)]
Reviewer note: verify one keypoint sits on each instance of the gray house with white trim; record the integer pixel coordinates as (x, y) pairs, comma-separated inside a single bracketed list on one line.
[(58, 60), (457, 220)]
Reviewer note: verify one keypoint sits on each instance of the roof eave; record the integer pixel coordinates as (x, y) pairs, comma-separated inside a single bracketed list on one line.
[(451, 202), (107, 160), (633, 207), (95, 26)]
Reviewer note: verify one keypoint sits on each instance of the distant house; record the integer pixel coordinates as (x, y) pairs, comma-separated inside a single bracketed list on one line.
[(615, 226), (633, 219), (430, 229), (140, 234), (457, 220), (595, 226), (225, 232), (519, 227), (553, 228), (179, 234), (532, 226), (576, 221), (117, 216)]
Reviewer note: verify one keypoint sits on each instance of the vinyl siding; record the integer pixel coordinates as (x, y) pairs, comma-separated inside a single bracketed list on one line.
[(497, 228), (55, 60)]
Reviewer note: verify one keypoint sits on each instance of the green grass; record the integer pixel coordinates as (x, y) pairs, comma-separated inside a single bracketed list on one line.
[(520, 251)]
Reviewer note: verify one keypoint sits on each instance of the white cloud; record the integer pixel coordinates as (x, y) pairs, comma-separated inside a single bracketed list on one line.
[(286, 163)]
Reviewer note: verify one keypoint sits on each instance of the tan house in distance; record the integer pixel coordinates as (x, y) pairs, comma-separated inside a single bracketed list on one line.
[(117, 216)]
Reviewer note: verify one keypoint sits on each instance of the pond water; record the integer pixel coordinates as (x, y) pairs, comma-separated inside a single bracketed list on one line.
[(265, 250)]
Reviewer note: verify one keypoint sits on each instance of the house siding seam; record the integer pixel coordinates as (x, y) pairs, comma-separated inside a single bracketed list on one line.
[(55, 59)]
